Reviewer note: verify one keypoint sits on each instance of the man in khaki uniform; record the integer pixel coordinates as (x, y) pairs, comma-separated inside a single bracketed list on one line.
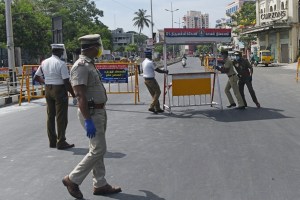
[(232, 82), (91, 95)]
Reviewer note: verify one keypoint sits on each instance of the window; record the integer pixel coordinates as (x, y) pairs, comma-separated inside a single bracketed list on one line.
[(282, 6), (274, 7), (271, 9)]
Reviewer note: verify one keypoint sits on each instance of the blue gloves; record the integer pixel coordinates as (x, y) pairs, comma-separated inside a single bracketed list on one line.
[(90, 128), (74, 101)]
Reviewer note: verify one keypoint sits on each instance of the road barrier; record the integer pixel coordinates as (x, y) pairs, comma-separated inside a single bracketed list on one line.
[(118, 78)]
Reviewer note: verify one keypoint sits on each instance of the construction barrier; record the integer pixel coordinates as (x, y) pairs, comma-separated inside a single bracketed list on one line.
[(118, 78), (298, 68), (28, 87), (191, 89)]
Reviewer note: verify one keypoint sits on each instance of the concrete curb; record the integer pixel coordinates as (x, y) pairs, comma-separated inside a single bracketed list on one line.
[(9, 100)]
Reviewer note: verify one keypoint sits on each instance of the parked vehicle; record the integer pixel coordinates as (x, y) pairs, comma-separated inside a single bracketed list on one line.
[(264, 57)]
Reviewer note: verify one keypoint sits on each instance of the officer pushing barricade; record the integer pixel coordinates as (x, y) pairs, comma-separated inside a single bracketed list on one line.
[(149, 69), (245, 72), (231, 83)]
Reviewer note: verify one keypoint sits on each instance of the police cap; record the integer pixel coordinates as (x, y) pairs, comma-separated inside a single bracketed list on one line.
[(57, 46), (90, 39)]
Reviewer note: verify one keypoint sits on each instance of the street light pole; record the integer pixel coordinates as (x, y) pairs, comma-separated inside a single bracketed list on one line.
[(172, 11), (10, 44)]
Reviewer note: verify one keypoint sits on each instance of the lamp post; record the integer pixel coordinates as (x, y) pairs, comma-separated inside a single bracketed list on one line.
[(10, 45), (178, 23), (172, 11)]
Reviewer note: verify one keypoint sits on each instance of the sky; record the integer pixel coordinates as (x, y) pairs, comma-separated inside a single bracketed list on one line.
[(119, 13)]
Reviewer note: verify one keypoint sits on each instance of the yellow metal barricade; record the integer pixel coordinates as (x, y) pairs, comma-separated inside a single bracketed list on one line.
[(120, 78), (298, 68), (191, 89), (28, 88)]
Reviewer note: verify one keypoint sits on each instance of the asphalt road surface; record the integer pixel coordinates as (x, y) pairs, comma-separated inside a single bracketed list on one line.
[(195, 153)]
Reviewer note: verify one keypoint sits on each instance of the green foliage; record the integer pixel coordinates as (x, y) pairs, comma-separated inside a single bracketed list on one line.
[(159, 48), (204, 48), (245, 17), (131, 48), (32, 24)]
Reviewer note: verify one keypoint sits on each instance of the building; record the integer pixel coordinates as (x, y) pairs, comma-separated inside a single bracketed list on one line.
[(195, 19), (120, 38), (277, 28), (231, 9), (235, 6)]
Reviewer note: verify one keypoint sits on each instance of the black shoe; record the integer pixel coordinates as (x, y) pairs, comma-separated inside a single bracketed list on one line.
[(52, 145), (231, 105), (258, 105), (152, 110), (241, 108), (65, 145), (160, 111)]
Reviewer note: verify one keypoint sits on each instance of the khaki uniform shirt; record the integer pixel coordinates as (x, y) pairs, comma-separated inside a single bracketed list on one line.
[(229, 65), (84, 72)]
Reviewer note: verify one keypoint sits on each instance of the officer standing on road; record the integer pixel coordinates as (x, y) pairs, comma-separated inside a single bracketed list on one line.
[(149, 69), (232, 82), (245, 72), (57, 82), (91, 94)]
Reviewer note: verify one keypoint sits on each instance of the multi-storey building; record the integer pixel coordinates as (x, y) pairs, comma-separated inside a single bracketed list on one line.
[(195, 19), (277, 28), (231, 9), (120, 38)]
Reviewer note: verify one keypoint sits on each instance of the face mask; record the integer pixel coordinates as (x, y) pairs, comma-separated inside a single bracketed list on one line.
[(99, 52), (237, 57)]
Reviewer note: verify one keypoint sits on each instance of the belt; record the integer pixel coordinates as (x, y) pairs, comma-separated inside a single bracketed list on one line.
[(99, 106), (231, 75), (148, 78), (51, 85)]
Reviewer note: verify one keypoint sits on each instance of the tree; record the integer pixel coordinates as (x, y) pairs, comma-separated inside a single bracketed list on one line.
[(244, 18), (33, 28), (133, 48), (141, 20)]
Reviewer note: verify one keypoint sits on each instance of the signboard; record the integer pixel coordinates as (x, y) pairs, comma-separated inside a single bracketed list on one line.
[(4, 71), (273, 16), (196, 35), (113, 73)]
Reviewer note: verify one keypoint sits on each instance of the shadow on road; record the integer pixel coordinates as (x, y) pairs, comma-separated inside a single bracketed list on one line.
[(231, 115), (124, 196), (84, 151)]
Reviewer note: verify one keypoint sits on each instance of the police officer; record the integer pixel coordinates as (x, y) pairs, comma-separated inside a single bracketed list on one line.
[(149, 69), (57, 82), (91, 95), (245, 72), (232, 82)]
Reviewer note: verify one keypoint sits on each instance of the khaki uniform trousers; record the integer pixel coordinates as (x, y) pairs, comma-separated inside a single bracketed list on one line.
[(94, 160), (232, 83), (57, 107), (155, 92)]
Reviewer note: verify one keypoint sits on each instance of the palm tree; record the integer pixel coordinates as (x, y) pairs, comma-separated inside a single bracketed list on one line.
[(141, 20)]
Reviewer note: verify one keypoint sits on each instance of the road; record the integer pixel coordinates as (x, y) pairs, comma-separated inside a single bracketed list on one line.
[(196, 153)]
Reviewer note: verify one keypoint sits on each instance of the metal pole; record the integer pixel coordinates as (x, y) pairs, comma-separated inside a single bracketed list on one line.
[(10, 43), (152, 28)]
